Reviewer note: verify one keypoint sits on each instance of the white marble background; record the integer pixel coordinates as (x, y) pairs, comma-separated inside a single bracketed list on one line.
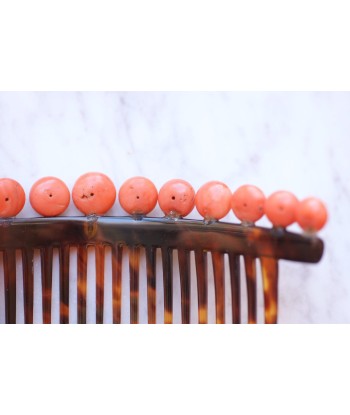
[(299, 141)]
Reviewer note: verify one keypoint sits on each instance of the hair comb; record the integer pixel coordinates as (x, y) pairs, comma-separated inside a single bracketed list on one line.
[(139, 235)]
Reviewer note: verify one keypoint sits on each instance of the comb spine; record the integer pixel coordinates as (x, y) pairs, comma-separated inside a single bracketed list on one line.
[(64, 284), (46, 282), (100, 267), (82, 283), (10, 285), (151, 284), (202, 285), (167, 259), (269, 268), (219, 284), (134, 266), (185, 282), (250, 269), (235, 279), (28, 284)]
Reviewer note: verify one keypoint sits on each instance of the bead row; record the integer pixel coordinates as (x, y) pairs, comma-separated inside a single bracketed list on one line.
[(95, 193)]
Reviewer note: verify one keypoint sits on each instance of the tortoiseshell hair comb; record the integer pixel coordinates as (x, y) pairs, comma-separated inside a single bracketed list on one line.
[(151, 234)]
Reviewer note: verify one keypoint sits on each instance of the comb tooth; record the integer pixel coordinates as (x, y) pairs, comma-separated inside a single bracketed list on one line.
[(185, 281), (100, 271), (46, 281), (235, 287), (167, 259), (269, 268), (250, 269), (64, 284), (151, 284), (28, 284), (10, 285), (117, 254), (82, 283), (202, 285), (219, 284), (134, 265)]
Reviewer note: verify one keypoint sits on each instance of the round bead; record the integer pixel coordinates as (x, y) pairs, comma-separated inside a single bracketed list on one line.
[(311, 214), (213, 200), (138, 196), (94, 193), (49, 196), (176, 198), (248, 203), (12, 198), (280, 208)]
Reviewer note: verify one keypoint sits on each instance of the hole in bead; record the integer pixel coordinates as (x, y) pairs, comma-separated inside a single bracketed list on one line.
[(173, 197), (7, 199), (92, 194), (137, 197), (50, 195)]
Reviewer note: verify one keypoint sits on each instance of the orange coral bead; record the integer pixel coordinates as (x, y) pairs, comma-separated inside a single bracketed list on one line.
[(138, 196), (311, 214), (248, 203), (12, 198), (176, 198), (281, 208), (213, 200), (94, 193), (49, 196)]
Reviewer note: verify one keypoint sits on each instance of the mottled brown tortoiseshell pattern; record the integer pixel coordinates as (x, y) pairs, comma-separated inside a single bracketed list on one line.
[(120, 233)]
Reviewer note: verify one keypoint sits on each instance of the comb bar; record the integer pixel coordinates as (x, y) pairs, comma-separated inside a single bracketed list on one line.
[(28, 284), (151, 284), (185, 282), (10, 285), (188, 234)]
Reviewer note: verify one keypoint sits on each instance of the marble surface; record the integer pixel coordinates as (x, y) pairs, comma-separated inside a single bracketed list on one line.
[(299, 141)]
